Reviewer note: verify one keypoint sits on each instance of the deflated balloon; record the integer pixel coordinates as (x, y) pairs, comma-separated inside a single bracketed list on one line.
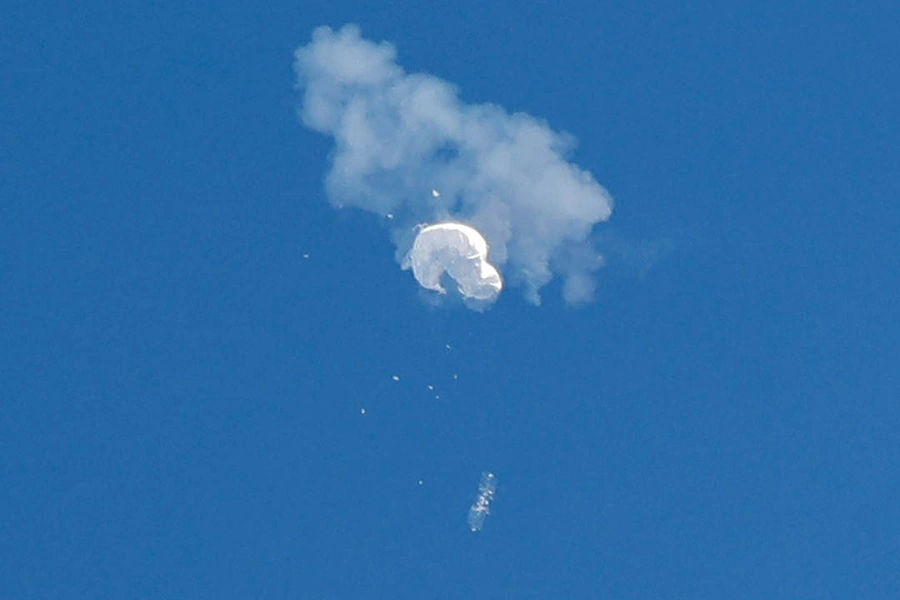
[(460, 252)]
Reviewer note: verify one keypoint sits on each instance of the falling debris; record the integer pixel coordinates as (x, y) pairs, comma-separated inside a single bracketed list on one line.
[(362, 411), (395, 377), (455, 376), (306, 256), (421, 482), (389, 215), (431, 387), (481, 508), (447, 346), (435, 194)]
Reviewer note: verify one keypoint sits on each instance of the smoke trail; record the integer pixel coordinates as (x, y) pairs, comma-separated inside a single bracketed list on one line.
[(401, 136)]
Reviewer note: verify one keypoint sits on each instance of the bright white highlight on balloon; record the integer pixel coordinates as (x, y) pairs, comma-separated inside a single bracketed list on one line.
[(458, 252)]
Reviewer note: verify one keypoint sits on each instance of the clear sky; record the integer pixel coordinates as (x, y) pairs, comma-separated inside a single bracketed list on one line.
[(197, 350)]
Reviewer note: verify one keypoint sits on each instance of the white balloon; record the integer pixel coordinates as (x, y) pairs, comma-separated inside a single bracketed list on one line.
[(459, 251)]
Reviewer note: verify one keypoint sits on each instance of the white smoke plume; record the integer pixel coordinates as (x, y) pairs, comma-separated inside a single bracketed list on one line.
[(400, 137)]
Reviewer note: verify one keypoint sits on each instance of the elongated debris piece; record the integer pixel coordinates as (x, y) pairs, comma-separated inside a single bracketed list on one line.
[(481, 508)]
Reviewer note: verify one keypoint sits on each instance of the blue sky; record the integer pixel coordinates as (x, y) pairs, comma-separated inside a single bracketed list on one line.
[(181, 391)]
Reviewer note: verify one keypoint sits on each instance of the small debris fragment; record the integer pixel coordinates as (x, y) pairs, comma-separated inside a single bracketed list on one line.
[(395, 377)]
